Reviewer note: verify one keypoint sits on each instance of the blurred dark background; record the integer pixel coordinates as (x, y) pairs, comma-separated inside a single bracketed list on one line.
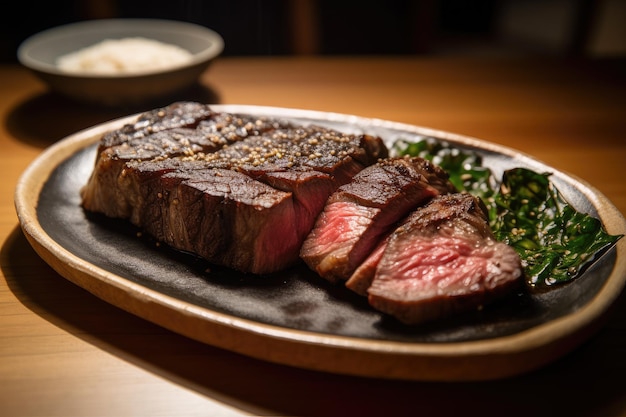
[(587, 28)]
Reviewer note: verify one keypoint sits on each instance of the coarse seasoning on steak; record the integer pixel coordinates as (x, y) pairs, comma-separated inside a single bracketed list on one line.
[(181, 114), (442, 260), (361, 212), (240, 191)]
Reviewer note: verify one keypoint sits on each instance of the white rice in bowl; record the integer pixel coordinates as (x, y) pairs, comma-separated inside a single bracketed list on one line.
[(124, 56)]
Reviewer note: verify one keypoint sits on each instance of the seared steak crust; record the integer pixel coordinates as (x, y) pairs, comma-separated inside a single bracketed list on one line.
[(242, 192), (182, 114)]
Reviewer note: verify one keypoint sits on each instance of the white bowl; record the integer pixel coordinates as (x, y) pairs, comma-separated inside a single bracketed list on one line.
[(41, 51)]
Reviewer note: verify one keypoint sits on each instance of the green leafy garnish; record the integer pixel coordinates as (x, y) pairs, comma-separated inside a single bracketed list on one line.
[(555, 242)]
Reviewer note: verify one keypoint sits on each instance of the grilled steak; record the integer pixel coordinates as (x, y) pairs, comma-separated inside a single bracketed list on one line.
[(360, 212), (259, 195), (442, 260), (238, 191)]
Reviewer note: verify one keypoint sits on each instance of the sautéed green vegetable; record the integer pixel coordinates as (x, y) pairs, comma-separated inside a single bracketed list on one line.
[(555, 242)]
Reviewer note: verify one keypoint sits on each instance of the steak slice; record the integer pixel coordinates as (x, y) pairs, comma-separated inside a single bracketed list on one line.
[(240, 192), (443, 260), (362, 211), (221, 215)]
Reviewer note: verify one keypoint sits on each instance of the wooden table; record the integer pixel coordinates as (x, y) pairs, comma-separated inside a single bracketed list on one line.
[(63, 352)]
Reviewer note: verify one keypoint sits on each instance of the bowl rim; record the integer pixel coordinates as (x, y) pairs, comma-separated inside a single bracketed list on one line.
[(112, 25)]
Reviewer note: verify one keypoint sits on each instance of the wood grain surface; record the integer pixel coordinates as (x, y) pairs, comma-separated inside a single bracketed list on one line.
[(64, 352)]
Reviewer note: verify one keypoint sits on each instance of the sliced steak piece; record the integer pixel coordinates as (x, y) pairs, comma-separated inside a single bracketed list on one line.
[(362, 211), (225, 217), (143, 188), (443, 260), (219, 214)]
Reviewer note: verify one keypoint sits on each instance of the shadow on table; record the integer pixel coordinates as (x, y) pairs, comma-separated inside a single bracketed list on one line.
[(588, 381), (46, 118)]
